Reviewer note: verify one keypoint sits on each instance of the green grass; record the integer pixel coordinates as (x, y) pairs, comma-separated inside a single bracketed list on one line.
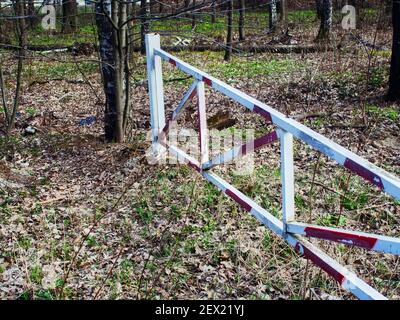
[(377, 77), (42, 70), (36, 274), (383, 113), (86, 32), (145, 214), (302, 16), (248, 69)]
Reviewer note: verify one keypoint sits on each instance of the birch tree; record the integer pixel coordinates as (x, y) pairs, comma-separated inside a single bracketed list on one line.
[(242, 8), (69, 16), (111, 21), (272, 15), (229, 36), (11, 108), (324, 7)]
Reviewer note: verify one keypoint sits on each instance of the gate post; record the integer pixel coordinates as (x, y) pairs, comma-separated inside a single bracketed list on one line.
[(287, 177), (203, 130), (156, 92)]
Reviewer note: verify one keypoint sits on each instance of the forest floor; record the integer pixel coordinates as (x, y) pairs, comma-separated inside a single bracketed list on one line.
[(83, 219)]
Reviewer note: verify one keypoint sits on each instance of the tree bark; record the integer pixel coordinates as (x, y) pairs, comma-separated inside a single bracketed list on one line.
[(394, 79), (283, 11), (326, 20), (144, 24), (194, 15), (242, 8), (110, 67), (69, 16), (21, 34), (272, 15), (318, 6), (31, 13), (229, 37), (214, 11)]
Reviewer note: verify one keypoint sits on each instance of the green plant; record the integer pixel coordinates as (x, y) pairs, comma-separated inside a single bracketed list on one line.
[(36, 274), (377, 77), (25, 243), (144, 213), (44, 294), (30, 111), (330, 220), (91, 240), (389, 113), (359, 202)]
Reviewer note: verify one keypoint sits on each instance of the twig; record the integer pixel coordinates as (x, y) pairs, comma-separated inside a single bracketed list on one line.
[(109, 273)]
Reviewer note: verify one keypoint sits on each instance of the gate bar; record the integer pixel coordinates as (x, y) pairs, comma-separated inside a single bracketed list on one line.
[(347, 279), (364, 240), (241, 150), (380, 178)]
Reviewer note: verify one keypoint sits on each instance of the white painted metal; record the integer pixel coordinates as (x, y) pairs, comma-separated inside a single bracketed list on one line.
[(156, 91), (287, 176), (203, 134), (288, 129), (239, 151), (391, 184), (182, 156), (379, 243), (350, 281)]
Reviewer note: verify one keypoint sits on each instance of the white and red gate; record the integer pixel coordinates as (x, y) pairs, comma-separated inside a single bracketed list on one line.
[(288, 228)]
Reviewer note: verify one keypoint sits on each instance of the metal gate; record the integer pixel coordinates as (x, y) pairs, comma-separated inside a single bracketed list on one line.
[(288, 229)]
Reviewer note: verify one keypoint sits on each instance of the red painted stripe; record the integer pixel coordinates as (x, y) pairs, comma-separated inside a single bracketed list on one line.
[(193, 94), (207, 81), (364, 172), (320, 263), (239, 200), (259, 142), (166, 128), (268, 138), (194, 166), (263, 113), (172, 61), (342, 237)]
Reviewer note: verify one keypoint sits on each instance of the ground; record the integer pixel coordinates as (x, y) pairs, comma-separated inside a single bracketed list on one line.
[(83, 219)]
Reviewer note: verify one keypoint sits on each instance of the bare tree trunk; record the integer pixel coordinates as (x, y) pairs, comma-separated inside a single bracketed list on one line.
[(69, 16), (21, 33), (326, 21), (214, 11), (111, 69), (194, 15), (318, 6), (229, 37), (144, 24), (385, 16), (160, 7), (394, 80), (273, 15), (283, 11), (242, 8), (31, 13)]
